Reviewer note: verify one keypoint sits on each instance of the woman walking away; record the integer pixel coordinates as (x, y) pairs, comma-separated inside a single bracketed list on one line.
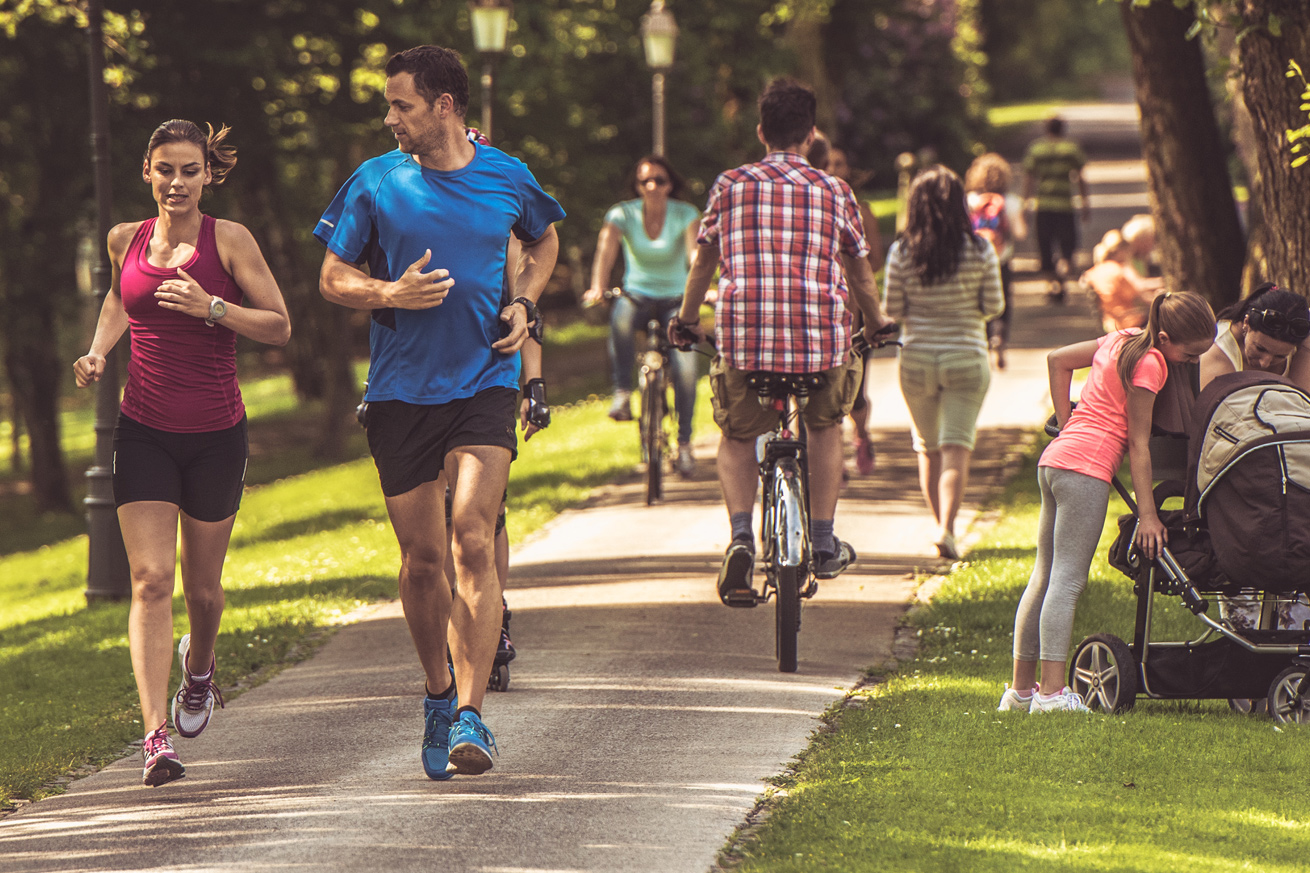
[(943, 285), (186, 285), (1074, 473), (658, 234)]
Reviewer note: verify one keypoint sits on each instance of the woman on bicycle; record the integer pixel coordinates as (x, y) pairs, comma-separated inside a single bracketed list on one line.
[(943, 285), (186, 285), (658, 235)]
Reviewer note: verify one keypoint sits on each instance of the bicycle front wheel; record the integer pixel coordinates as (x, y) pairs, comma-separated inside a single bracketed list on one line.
[(790, 553), (652, 435)]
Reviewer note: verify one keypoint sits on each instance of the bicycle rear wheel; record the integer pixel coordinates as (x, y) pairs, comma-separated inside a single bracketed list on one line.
[(652, 435), (788, 616)]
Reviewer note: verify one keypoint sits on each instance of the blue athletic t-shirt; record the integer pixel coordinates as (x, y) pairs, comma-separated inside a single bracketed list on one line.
[(388, 213)]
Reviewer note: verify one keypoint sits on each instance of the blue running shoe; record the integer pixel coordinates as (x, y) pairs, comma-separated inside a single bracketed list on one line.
[(438, 715), (471, 745)]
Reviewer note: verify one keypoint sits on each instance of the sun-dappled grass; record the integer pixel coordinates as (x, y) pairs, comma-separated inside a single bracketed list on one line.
[(920, 772), (306, 550)]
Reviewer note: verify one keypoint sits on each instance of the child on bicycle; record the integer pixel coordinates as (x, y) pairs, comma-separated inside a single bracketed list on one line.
[(1128, 369)]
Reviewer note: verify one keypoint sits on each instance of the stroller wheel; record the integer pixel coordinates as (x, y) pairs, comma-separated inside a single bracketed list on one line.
[(1249, 705), (1104, 673), (1286, 703)]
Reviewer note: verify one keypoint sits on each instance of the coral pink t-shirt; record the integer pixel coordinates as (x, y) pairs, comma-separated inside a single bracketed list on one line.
[(182, 375), (1095, 437)]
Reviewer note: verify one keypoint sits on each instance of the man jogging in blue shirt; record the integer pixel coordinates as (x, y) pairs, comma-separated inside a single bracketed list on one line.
[(431, 221)]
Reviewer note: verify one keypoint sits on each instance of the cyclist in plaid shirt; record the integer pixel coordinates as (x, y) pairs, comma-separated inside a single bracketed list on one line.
[(791, 246)]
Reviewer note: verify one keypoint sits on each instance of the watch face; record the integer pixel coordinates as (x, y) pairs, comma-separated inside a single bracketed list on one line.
[(217, 308)]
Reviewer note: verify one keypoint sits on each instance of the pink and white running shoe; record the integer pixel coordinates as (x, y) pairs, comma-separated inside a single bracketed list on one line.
[(162, 763), (194, 702)]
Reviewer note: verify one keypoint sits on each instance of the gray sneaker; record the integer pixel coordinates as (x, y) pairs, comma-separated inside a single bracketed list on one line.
[(685, 464), (621, 408), (1011, 701)]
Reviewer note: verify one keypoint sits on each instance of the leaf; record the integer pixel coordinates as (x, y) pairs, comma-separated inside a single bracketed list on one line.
[(1275, 25), (1193, 30)]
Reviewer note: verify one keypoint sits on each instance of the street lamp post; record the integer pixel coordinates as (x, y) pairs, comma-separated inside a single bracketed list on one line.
[(659, 35), (108, 576), (490, 26)]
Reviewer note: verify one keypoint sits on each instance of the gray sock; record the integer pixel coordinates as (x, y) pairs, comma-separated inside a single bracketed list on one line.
[(821, 534), (741, 526)]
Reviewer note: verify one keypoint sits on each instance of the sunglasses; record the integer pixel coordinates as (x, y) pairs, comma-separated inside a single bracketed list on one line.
[(1273, 322), (658, 180)]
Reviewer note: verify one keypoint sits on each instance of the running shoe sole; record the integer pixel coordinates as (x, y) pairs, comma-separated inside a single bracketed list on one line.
[(469, 759), (165, 770)]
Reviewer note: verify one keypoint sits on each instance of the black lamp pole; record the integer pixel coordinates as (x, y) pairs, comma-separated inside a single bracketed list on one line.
[(108, 576)]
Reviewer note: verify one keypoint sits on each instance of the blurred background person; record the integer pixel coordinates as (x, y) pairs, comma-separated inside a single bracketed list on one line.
[(1123, 294), (997, 216), (657, 233)]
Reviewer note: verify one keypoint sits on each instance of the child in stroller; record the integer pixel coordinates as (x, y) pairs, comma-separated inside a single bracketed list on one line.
[(1242, 530), (1128, 368)]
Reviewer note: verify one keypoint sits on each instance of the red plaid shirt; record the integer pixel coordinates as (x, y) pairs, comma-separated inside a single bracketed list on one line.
[(782, 227)]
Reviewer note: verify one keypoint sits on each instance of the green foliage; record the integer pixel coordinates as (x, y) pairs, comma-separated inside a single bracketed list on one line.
[(909, 76), (1299, 138), (1043, 49)]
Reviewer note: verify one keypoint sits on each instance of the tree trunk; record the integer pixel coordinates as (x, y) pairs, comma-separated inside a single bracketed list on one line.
[(319, 351), (34, 371), (1199, 235), (1273, 101)]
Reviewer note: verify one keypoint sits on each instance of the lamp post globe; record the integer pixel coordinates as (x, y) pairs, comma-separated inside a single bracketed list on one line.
[(659, 37), (490, 21)]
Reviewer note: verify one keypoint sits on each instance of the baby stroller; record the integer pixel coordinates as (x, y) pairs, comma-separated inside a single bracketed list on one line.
[(1243, 532)]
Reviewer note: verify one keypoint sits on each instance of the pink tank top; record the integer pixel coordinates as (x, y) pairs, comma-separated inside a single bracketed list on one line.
[(182, 374)]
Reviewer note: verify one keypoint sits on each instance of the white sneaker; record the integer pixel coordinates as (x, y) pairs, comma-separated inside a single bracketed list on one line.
[(194, 702), (1013, 701), (1067, 700)]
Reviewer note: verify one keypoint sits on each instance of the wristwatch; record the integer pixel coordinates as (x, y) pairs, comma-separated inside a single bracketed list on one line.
[(217, 309), (528, 306)]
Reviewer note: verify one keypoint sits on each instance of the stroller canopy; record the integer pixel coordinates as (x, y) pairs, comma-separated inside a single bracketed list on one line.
[(1249, 477)]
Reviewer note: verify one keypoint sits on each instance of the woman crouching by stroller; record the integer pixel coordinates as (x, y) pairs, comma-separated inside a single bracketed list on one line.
[(1074, 473)]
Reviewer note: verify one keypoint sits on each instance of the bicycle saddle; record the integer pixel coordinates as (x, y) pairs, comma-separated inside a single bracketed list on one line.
[(782, 385)]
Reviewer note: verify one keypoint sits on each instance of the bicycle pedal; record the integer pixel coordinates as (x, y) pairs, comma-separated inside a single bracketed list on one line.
[(742, 598)]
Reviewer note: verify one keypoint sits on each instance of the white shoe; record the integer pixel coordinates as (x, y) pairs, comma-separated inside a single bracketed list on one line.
[(1013, 701), (946, 547), (194, 702), (1067, 700)]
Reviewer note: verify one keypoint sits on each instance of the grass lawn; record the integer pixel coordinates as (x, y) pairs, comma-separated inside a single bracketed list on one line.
[(306, 550), (920, 773)]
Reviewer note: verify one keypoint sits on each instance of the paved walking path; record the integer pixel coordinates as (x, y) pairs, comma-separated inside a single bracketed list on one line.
[(642, 720)]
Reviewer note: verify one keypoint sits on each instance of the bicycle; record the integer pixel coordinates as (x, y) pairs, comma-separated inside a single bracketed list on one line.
[(786, 552), (653, 387)]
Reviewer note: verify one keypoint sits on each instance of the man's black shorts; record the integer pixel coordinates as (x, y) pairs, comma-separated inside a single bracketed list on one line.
[(409, 442), (201, 473)]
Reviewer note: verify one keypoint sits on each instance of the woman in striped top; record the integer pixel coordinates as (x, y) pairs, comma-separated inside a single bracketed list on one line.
[(943, 286)]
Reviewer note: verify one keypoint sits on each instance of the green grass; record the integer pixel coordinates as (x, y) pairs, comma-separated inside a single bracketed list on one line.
[(1020, 113), (921, 773)]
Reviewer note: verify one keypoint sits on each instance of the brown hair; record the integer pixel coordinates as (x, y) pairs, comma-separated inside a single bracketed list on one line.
[(937, 224), (220, 157), (1184, 315), (676, 181)]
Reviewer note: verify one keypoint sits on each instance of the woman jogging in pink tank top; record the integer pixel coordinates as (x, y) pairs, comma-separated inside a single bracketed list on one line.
[(186, 285)]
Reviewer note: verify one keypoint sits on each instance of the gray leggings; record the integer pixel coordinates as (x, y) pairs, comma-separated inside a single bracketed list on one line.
[(1072, 517)]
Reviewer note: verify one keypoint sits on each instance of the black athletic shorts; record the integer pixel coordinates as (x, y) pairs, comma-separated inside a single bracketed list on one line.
[(201, 473), (410, 442)]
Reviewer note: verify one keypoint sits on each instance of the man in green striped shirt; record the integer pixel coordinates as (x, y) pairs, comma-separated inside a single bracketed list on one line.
[(1052, 166)]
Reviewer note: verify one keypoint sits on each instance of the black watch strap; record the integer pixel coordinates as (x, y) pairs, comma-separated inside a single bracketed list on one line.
[(528, 306)]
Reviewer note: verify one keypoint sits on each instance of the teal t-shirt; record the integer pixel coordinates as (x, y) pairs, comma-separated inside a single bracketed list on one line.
[(653, 267)]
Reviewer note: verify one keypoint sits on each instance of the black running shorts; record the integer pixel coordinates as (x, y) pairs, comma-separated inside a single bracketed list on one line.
[(203, 474), (410, 442)]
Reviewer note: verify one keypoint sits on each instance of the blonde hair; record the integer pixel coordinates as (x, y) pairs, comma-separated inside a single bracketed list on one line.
[(989, 173), (1112, 242), (1137, 226), (1184, 315)]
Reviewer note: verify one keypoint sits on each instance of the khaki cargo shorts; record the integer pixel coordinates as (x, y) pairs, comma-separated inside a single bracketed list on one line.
[(740, 415)]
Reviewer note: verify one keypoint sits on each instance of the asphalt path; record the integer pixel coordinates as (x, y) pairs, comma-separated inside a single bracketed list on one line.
[(643, 718)]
